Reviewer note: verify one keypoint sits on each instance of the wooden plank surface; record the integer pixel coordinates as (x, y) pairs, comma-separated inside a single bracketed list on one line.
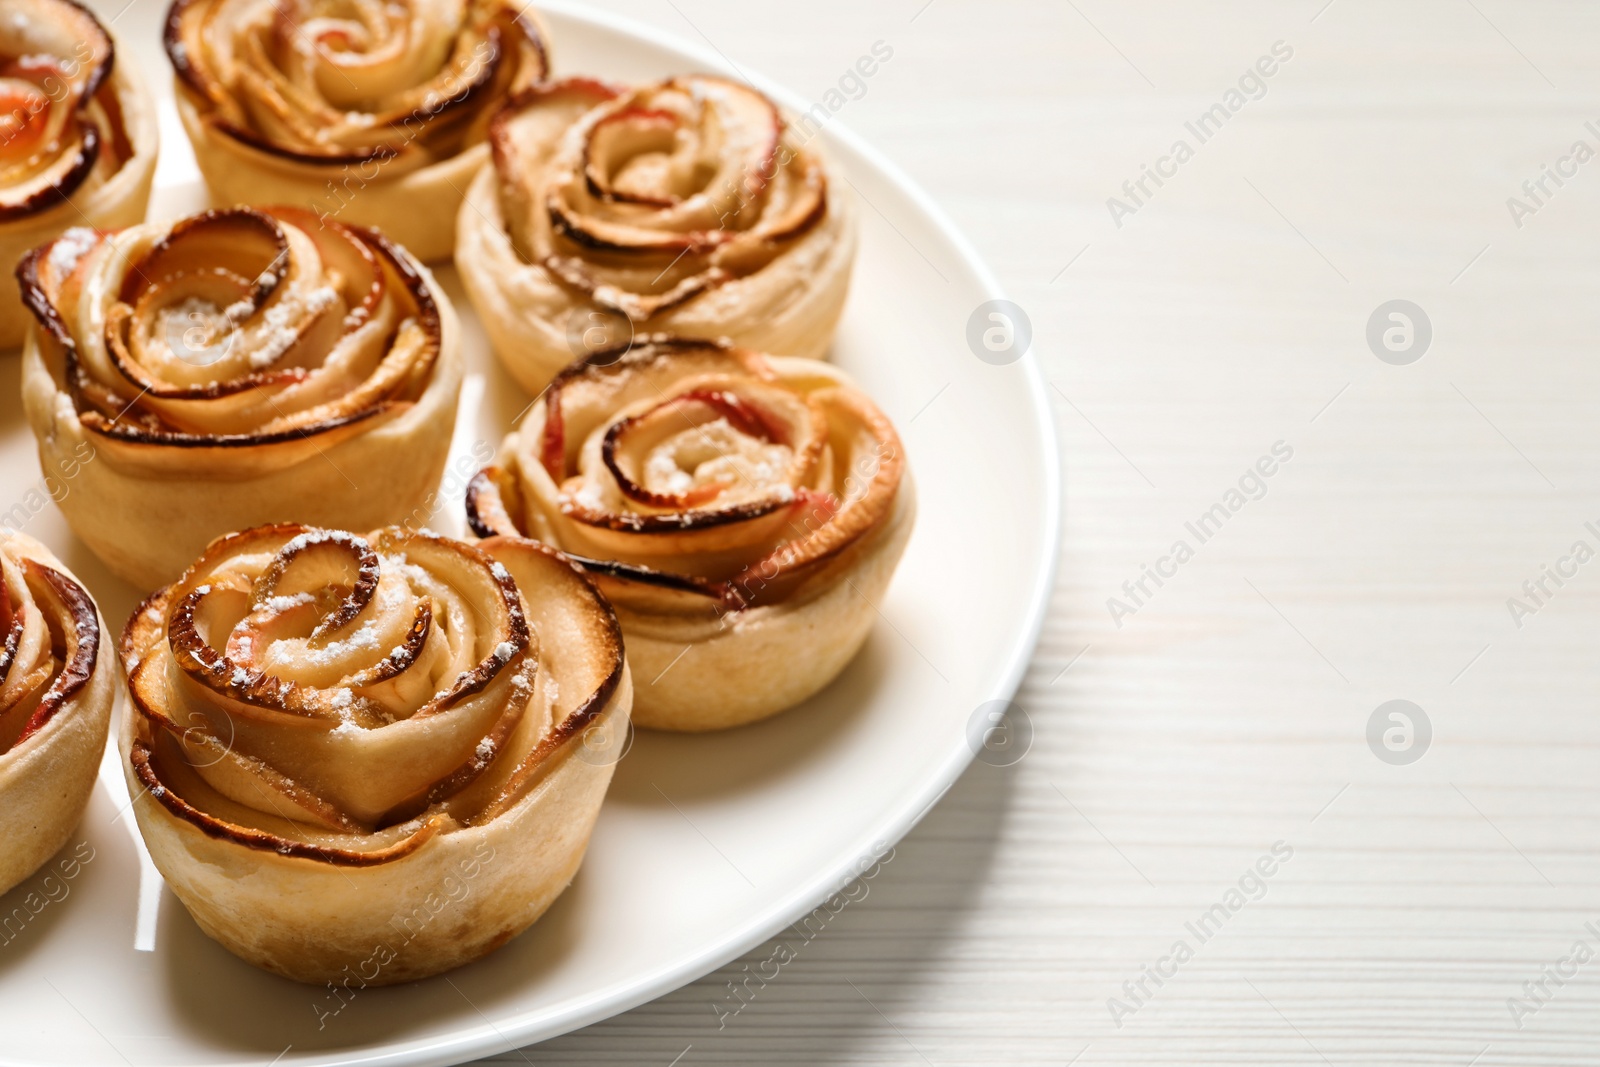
[(1230, 711)]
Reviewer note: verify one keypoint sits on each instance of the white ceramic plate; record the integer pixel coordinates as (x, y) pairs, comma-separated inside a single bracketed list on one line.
[(707, 845)]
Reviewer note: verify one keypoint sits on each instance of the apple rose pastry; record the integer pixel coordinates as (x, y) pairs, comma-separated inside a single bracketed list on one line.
[(56, 691), (371, 113), (371, 758), (77, 135), (687, 207), (743, 514), (235, 368)]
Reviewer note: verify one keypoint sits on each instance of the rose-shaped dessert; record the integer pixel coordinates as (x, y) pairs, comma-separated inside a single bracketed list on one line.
[(77, 135), (373, 114), (688, 207), (235, 368), (742, 513), (57, 684), (371, 758)]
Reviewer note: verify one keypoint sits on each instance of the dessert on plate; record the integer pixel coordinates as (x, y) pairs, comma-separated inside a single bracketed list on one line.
[(743, 513), (58, 680), (690, 206), (366, 113), (77, 135), (371, 758), (238, 367)]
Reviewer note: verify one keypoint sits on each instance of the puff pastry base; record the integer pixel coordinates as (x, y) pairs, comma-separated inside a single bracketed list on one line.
[(416, 211)]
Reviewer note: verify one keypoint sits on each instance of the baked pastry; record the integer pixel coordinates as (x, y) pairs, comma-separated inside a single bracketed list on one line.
[(366, 755), (77, 135), (57, 684), (371, 114), (743, 514), (687, 207), (238, 367)]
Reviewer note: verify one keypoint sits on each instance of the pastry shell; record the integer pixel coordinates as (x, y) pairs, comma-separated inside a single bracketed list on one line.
[(545, 286), (723, 627), (56, 735), (147, 494), (445, 887), (383, 128)]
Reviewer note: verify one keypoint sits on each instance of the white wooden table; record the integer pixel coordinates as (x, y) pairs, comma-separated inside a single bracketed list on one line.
[(1229, 312), (1228, 712)]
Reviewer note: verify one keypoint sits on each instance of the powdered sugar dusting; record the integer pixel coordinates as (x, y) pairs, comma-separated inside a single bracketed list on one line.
[(285, 603), (280, 324), (69, 248)]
